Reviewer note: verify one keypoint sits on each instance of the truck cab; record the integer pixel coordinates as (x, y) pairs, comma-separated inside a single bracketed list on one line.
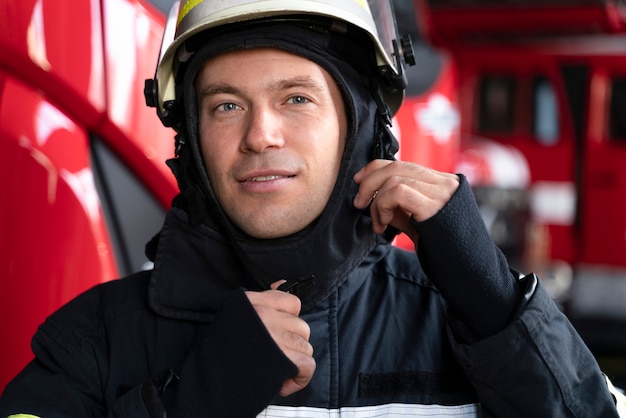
[(549, 79)]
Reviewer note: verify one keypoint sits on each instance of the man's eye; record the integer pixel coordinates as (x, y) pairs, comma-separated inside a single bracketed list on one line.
[(298, 99), (227, 107)]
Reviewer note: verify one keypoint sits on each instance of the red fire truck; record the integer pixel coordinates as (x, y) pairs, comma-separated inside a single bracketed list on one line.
[(549, 79), (81, 157)]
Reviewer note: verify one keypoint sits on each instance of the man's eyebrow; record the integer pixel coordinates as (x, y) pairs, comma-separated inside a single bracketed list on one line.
[(220, 88), (299, 81), (282, 84)]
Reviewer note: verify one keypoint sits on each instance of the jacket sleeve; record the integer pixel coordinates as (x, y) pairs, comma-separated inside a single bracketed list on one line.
[(537, 366), (521, 353), (62, 380), (239, 376), (460, 258), (235, 370)]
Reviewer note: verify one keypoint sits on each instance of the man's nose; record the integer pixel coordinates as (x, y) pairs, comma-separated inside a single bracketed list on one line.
[(264, 130)]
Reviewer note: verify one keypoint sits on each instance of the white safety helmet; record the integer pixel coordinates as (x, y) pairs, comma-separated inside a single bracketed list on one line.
[(191, 17)]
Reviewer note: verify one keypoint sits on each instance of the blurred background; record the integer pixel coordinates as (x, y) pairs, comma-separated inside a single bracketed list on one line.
[(526, 98)]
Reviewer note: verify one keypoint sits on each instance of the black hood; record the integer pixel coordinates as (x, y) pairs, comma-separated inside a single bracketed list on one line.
[(342, 236)]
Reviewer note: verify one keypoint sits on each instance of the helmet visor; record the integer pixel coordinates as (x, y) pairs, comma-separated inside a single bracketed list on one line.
[(385, 20)]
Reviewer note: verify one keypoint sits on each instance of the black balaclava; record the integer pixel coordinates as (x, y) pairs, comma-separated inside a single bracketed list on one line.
[(324, 253)]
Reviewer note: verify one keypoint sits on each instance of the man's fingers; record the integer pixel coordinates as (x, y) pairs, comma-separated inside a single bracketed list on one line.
[(275, 299), (369, 191), (306, 367), (398, 191), (284, 326), (276, 284), (279, 313)]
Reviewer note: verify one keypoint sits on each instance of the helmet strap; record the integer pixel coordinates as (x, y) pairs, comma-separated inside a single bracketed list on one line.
[(385, 143)]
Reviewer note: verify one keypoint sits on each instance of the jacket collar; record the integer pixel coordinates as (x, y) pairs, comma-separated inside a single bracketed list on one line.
[(193, 264)]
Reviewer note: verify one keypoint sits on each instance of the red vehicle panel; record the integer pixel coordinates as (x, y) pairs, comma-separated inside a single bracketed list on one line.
[(132, 35), (45, 169), (72, 121)]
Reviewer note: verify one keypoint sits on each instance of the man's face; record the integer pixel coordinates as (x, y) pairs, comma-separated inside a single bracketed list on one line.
[(272, 131)]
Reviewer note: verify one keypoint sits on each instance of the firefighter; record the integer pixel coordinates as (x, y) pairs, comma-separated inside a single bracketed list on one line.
[(276, 290)]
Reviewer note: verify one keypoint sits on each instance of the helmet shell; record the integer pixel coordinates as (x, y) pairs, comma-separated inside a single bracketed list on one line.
[(191, 17)]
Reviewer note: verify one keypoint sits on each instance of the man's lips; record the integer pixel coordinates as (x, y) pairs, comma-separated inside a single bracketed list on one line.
[(267, 178), (266, 181), (264, 174)]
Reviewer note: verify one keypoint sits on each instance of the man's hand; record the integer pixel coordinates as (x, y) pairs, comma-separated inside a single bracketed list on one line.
[(399, 190), (279, 312)]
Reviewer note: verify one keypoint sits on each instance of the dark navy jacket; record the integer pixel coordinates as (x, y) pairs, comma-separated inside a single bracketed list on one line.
[(176, 342)]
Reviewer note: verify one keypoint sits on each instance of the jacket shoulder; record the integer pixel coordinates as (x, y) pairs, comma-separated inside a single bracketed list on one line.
[(87, 316), (107, 299)]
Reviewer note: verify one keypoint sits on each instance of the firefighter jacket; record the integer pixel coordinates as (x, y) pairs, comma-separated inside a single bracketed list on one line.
[(177, 342), (394, 333)]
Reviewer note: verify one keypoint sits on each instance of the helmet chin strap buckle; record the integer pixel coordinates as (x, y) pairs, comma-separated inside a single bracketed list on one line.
[(385, 144), (179, 144), (384, 113)]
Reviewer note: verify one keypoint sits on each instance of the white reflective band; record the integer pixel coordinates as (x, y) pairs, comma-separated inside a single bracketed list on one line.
[(378, 411), (620, 398)]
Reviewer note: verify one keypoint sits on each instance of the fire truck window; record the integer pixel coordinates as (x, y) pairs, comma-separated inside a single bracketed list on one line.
[(546, 113), (132, 213), (497, 100), (617, 121), (163, 5)]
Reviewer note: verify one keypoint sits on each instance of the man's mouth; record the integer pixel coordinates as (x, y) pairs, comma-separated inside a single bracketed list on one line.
[(267, 178)]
